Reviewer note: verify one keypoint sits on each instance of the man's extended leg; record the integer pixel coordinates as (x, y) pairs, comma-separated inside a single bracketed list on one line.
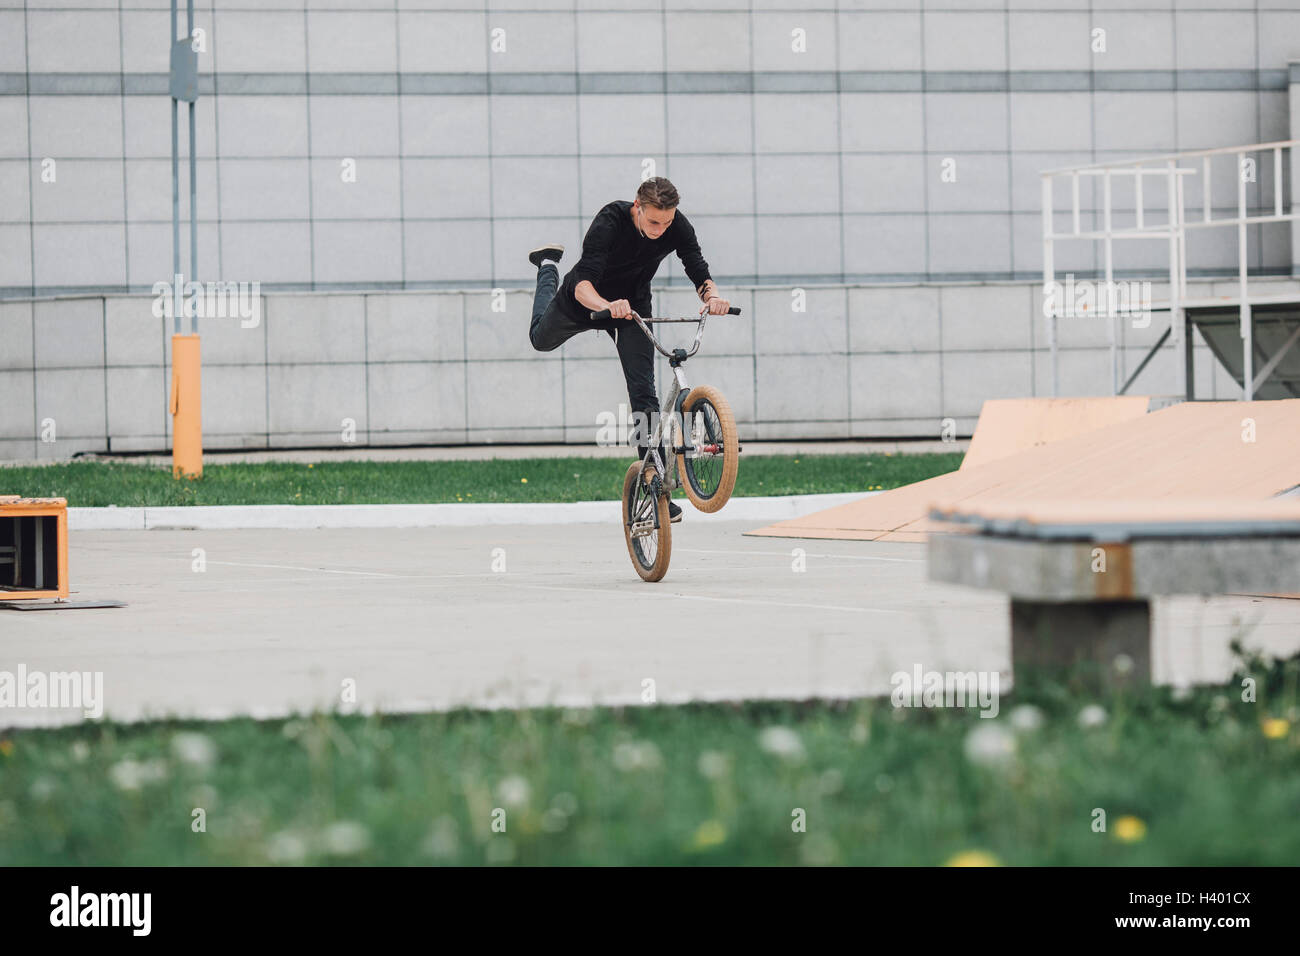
[(550, 328)]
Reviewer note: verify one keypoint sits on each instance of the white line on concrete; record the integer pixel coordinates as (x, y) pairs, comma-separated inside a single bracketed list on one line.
[(786, 554), (705, 597), (220, 517)]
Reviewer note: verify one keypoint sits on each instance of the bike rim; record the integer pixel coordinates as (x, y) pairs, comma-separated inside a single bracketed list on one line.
[(704, 471), (641, 508)]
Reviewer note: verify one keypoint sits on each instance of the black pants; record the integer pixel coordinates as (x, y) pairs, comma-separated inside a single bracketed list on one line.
[(552, 327)]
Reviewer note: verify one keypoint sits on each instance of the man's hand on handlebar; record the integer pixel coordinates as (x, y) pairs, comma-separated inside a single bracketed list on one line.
[(716, 306), (620, 309)]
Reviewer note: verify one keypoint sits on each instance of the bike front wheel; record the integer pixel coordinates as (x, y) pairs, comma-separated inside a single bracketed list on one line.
[(710, 471), (646, 524)]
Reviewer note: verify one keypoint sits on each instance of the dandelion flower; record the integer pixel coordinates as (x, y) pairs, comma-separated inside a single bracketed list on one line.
[(1129, 829), (782, 742), (710, 834), (1094, 715), (1274, 728), (973, 858), (989, 745)]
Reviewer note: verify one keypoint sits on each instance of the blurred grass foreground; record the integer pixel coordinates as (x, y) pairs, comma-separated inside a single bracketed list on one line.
[(1197, 777)]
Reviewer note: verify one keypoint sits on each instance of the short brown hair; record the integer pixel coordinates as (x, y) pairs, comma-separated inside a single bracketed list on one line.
[(658, 191)]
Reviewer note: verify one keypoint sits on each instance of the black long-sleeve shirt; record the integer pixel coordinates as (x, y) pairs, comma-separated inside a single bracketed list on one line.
[(620, 262)]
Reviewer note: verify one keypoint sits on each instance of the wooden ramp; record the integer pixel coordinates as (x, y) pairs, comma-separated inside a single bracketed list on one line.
[(1193, 449), (1009, 425)]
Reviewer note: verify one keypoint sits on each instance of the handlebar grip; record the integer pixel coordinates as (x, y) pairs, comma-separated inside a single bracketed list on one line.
[(734, 310), (602, 314)]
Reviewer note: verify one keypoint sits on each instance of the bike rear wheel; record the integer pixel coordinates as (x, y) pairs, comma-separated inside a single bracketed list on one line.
[(645, 524), (710, 475)]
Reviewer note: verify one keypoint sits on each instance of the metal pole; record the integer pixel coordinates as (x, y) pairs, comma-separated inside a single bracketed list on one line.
[(1049, 276), (1247, 323), (1111, 317), (194, 229), (176, 202)]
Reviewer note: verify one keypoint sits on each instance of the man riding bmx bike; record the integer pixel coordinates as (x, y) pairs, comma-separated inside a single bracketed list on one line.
[(621, 253)]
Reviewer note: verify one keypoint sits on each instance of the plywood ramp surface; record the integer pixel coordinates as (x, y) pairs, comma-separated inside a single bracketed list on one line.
[(1009, 425), (1191, 449)]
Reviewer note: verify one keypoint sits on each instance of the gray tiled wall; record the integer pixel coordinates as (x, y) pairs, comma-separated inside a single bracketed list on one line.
[(407, 368), (817, 167)]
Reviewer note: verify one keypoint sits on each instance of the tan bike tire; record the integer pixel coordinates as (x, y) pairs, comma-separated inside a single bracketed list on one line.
[(730, 450), (657, 567)]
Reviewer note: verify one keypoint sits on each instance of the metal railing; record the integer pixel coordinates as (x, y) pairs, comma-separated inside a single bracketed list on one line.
[(1174, 232)]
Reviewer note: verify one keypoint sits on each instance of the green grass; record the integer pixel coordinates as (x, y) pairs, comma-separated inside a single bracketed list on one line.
[(98, 484), (672, 785)]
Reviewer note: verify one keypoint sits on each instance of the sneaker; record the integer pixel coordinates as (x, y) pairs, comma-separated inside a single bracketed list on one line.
[(674, 513), (551, 251)]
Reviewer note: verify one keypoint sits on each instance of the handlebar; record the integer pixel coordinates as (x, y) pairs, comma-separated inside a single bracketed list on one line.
[(699, 331)]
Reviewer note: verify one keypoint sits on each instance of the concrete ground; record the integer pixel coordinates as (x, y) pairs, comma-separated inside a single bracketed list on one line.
[(418, 618)]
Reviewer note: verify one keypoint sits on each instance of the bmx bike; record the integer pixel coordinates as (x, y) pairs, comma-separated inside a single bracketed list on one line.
[(698, 430)]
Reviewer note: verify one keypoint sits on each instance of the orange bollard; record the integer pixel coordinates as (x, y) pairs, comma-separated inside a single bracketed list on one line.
[(186, 410)]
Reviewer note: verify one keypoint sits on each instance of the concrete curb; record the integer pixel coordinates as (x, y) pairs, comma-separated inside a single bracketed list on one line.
[(222, 517)]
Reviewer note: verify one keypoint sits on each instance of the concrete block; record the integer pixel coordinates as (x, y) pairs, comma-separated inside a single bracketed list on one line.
[(1215, 40), (52, 34), (971, 378), (18, 398), (498, 335), (1051, 121), (1208, 119), (137, 401), (883, 319), (314, 401), (606, 178), (884, 245), (63, 126), (962, 40), (355, 41), (592, 388), (885, 386), (415, 327), (965, 122), (16, 331), (69, 333), (603, 36), (234, 404), (74, 399), (511, 240), (85, 190), (315, 328), (442, 42), (708, 42), (267, 252), (441, 251), (263, 41), (534, 124), (231, 339), (13, 117), (17, 449), (821, 329), (244, 123), (358, 251), (884, 182), (535, 42), (517, 188), (796, 122), (718, 185), (13, 41), (802, 388), (969, 244), (1082, 372), (727, 243), (447, 125), (799, 184), (622, 123), (986, 317), (1131, 120), (1278, 29), (519, 398), (410, 397), (1040, 40), (882, 121), (775, 45), (1136, 41), (264, 189), (352, 126), (710, 123), (16, 256), (734, 376), (133, 334), (982, 184), (446, 188), (879, 40), (799, 245)]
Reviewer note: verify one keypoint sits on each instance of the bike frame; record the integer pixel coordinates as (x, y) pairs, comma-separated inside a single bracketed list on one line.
[(669, 473)]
